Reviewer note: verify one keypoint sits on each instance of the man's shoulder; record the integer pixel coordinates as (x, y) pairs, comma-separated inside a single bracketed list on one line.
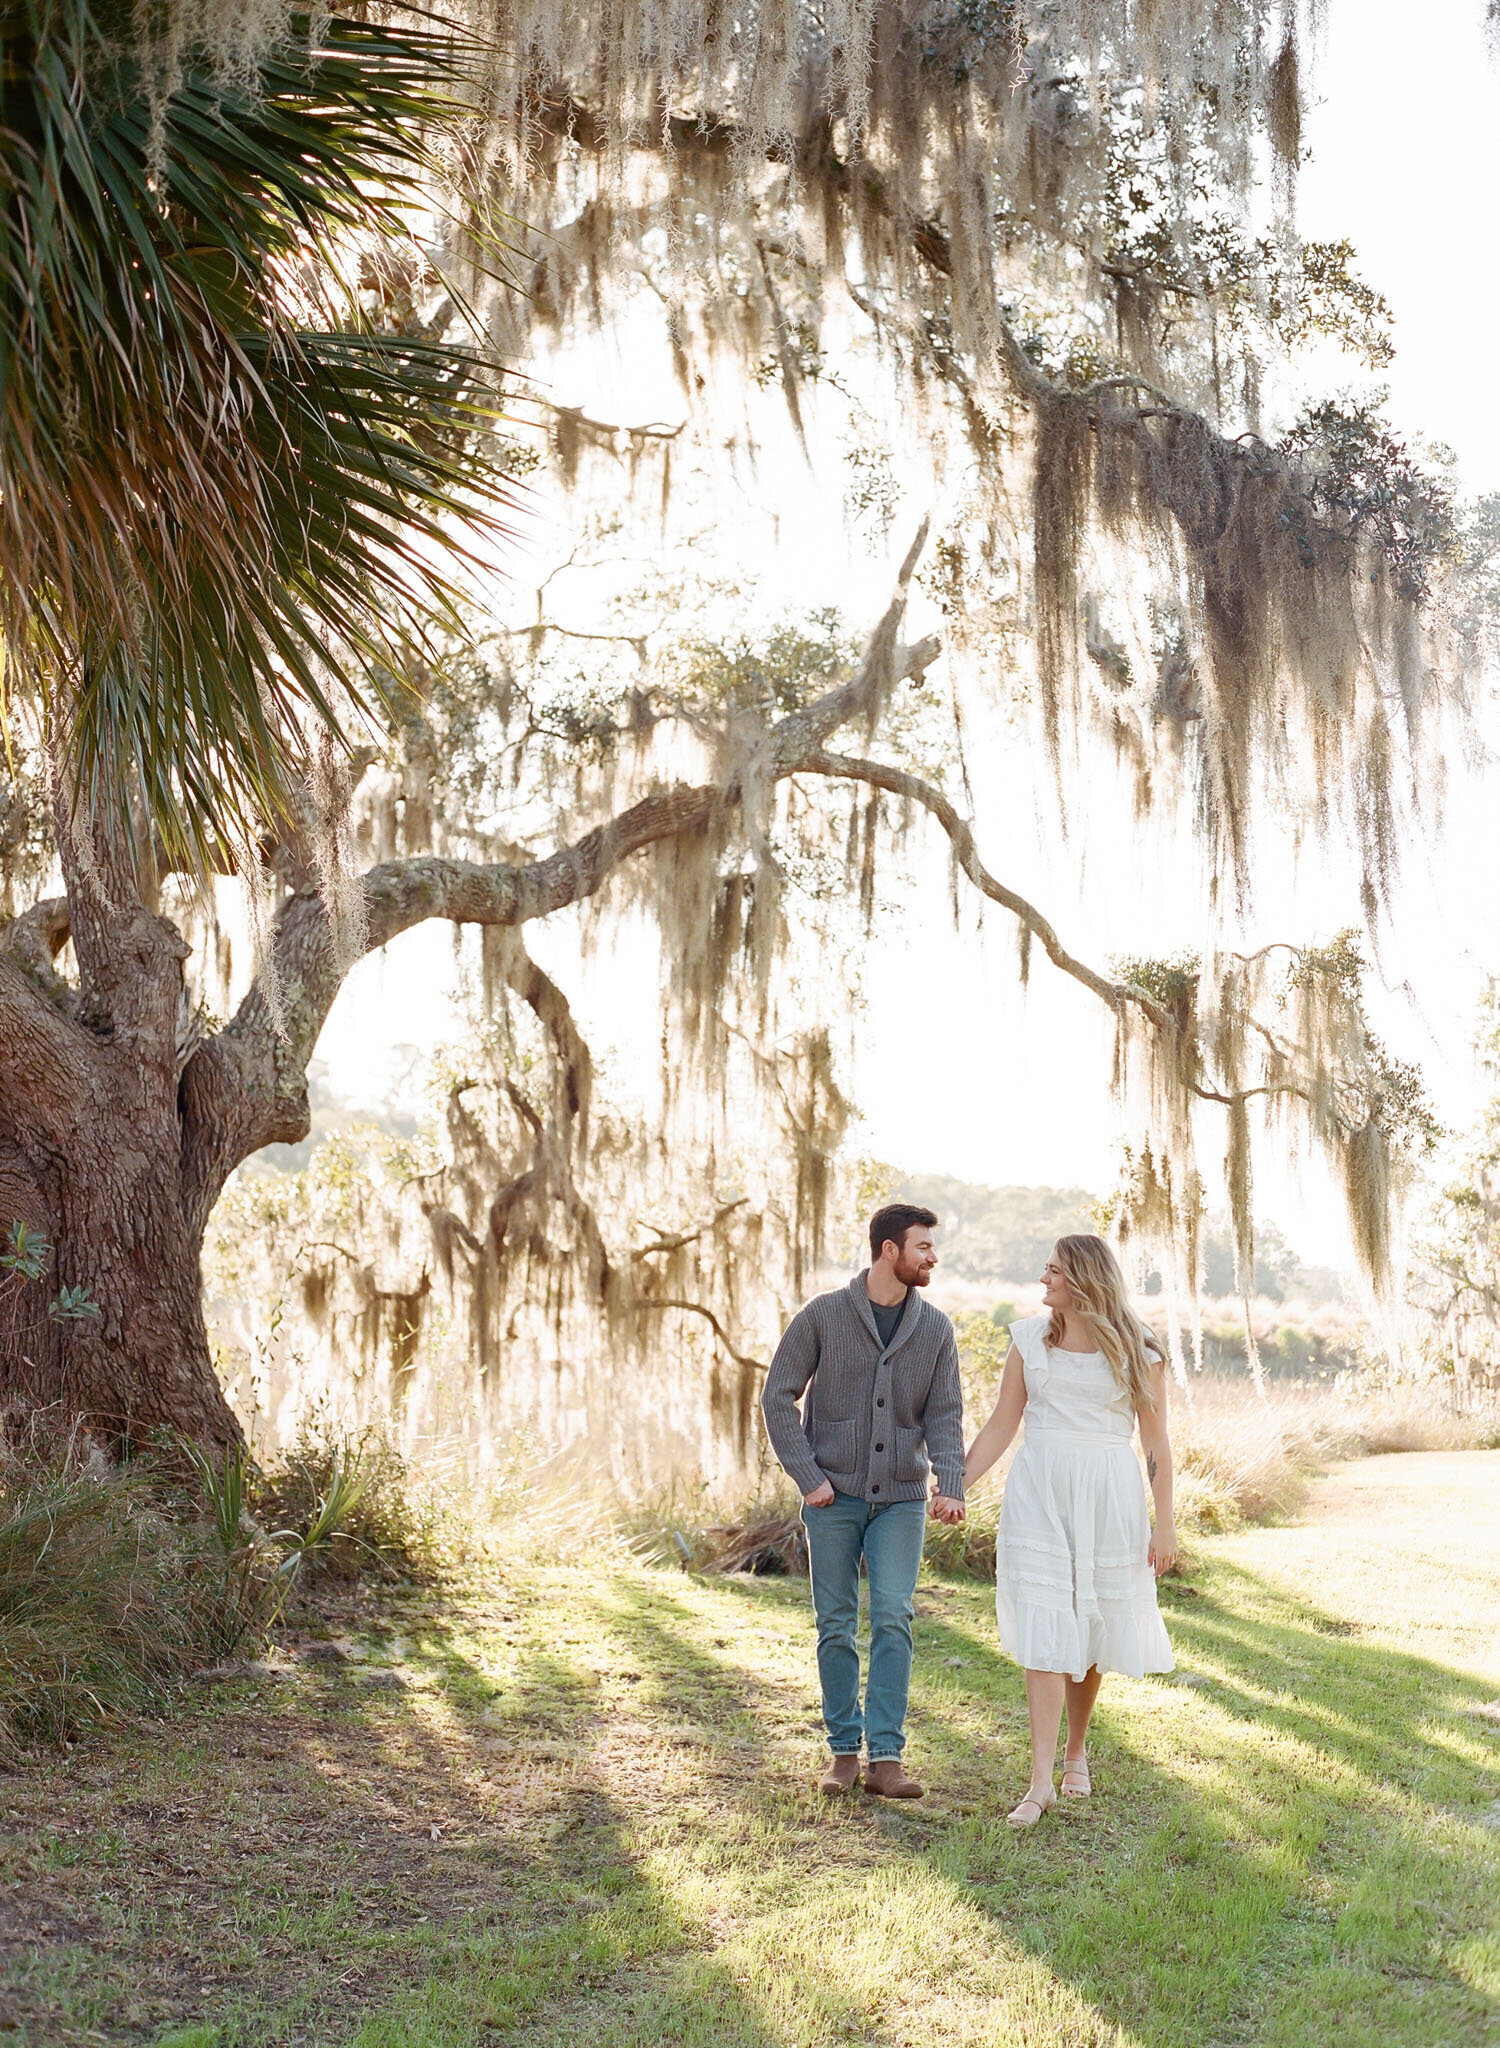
[(820, 1306), (942, 1322), (815, 1308)]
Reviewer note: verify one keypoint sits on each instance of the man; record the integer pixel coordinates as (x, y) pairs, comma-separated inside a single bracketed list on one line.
[(884, 1408)]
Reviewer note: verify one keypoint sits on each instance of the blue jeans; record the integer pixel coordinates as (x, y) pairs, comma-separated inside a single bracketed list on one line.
[(890, 1540)]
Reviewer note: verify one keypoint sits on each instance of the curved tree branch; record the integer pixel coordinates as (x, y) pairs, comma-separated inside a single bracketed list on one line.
[(697, 1308), (247, 1086), (900, 782)]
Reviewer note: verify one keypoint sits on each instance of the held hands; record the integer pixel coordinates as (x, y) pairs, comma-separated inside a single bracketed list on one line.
[(1163, 1552), (820, 1497)]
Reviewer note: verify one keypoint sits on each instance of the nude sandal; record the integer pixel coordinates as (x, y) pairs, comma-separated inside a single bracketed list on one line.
[(1082, 1784), (1018, 1816)]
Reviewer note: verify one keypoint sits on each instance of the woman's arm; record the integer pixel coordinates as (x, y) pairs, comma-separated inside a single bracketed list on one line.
[(1158, 1449), (993, 1440)]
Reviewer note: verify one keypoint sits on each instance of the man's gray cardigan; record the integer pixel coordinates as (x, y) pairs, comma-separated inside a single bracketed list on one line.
[(872, 1417)]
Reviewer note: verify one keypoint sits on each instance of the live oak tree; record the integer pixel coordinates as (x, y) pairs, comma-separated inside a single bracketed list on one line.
[(239, 442)]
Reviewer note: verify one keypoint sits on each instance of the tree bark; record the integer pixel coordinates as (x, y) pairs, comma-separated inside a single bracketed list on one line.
[(95, 1157)]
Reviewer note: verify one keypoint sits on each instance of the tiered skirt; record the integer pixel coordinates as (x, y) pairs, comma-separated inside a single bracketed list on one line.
[(1074, 1590)]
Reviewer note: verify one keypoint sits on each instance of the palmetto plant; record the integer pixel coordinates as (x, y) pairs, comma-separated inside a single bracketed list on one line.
[(228, 500), (256, 1571)]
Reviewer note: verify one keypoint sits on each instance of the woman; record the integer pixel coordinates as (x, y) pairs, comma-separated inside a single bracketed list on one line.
[(1075, 1592)]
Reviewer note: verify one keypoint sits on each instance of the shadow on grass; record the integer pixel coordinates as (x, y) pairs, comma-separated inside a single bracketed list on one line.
[(615, 1839), (1294, 1861)]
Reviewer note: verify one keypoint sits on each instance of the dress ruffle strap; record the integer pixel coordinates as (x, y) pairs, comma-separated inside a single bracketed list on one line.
[(1029, 1336)]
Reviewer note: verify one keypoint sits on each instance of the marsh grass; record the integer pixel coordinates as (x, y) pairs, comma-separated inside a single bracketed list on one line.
[(1241, 1459)]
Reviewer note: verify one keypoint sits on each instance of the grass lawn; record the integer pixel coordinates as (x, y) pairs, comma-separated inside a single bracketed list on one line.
[(578, 1808)]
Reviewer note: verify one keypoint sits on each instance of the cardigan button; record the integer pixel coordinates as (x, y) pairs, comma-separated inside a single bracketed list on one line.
[(880, 1400), (880, 1447), (874, 1489)]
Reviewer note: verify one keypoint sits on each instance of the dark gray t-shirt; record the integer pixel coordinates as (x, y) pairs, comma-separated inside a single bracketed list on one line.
[(888, 1320)]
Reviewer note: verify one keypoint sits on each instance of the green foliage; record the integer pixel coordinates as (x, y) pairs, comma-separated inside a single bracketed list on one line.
[(1171, 981), (224, 485), (1365, 484), (1000, 1235), (1280, 1274), (26, 1257), (245, 1597), (772, 674)]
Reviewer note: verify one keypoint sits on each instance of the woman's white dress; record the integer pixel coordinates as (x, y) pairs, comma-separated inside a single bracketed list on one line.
[(1073, 1585)]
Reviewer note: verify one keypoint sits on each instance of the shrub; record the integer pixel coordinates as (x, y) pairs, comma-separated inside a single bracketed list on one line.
[(116, 1582), (388, 1526)]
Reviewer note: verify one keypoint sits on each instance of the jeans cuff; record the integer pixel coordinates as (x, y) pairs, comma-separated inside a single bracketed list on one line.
[(885, 1759)]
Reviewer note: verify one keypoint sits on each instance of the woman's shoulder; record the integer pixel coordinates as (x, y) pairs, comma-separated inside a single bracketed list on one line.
[(1029, 1333)]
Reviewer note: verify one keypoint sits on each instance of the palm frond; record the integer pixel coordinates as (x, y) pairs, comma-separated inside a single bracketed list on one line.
[(228, 501)]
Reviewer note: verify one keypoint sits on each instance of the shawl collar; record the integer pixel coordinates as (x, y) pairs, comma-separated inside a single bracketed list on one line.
[(915, 1310)]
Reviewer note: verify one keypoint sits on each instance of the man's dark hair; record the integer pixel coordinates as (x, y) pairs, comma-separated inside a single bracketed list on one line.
[(893, 1222)]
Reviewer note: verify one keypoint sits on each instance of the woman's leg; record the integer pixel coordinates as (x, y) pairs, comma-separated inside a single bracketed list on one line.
[(1044, 1703), (1080, 1694)]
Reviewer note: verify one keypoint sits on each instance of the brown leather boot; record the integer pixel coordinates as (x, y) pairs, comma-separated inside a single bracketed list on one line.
[(842, 1775), (888, 1780)]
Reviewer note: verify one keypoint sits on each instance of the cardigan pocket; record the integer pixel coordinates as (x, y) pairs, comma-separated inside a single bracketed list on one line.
[(835, 1446), (911, 1457)]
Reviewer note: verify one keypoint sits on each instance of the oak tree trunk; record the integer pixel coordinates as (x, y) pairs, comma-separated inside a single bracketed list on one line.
[(113, 1212), (113, 1157)]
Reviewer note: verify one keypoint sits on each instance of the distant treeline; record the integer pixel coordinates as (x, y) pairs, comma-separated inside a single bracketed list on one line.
[(1001, 1236)]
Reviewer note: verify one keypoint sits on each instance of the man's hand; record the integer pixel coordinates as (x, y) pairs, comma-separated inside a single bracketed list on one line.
[(820, 1497), (946, 1509)]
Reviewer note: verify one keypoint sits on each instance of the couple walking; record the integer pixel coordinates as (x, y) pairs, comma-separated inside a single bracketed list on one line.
[(882, 1418)]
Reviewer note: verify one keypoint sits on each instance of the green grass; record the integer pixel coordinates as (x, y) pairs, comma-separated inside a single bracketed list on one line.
[(582, 1813)]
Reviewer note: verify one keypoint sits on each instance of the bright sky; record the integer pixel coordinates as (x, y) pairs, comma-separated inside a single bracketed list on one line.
[(957, 1071)]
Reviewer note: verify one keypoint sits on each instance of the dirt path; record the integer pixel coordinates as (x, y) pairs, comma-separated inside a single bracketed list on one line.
[(1405, 1547)]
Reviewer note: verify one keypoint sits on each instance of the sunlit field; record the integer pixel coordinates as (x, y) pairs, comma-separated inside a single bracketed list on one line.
[(576, 1806)]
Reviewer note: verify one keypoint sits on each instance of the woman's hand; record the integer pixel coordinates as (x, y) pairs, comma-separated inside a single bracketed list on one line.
[(1162, 1554)]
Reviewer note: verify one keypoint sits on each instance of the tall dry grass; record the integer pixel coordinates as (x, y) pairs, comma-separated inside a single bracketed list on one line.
[(1243, 1459), (95, 1612), (1239, 1459)]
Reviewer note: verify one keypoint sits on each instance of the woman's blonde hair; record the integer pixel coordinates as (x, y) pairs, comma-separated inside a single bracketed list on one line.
[(1099, 1301)]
